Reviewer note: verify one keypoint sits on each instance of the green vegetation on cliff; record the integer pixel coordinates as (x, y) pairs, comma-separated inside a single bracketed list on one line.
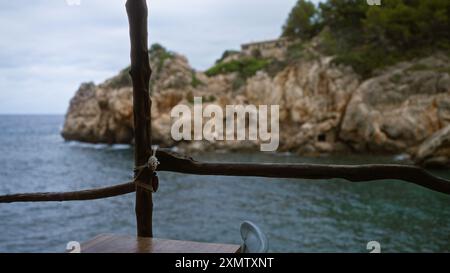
[(161, 54), (245, 67), (302, 21), (157, 52), (371, 37), (121, 80)]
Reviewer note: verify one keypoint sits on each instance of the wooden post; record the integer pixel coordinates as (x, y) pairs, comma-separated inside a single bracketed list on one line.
[(140, 73)]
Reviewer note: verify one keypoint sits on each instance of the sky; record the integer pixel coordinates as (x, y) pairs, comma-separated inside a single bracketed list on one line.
[(49, 47)]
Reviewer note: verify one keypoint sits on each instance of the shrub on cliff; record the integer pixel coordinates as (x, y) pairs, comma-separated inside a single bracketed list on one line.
[(226, 54), (157, 52), (121, 80), (160, 54), (245, 67)]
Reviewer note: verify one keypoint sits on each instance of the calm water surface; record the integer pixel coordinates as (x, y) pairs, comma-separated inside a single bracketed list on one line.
[(297, 215)]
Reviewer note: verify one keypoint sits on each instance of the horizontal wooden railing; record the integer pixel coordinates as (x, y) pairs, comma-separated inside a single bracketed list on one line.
[(92, 194), (174, 162)]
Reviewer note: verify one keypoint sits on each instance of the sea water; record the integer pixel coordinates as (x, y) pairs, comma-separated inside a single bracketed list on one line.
[(297, 215)]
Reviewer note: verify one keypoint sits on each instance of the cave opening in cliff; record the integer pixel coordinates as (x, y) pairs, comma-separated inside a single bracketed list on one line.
[(322, 138)]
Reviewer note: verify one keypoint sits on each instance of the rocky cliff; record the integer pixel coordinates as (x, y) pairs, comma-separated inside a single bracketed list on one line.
[(324, 108)]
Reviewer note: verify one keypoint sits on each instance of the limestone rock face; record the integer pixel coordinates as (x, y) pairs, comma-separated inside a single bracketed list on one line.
[(104, 113), (401, 107), (98, 114), (324, 108), (435, 151), (312, 96)]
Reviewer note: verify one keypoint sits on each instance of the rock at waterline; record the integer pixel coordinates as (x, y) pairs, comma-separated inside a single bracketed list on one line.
[(435, 151)]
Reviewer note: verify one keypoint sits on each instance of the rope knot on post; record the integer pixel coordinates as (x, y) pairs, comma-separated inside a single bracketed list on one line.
[(152, 165), (153, 162)]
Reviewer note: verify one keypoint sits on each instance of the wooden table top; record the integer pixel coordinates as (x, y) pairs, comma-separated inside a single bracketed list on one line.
[(110, 243)]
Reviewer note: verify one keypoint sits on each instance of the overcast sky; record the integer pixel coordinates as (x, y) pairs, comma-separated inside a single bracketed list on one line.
[(47, 47)]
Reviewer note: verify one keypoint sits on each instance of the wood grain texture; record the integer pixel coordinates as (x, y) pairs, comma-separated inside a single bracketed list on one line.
[(140, 74), (110, 243)]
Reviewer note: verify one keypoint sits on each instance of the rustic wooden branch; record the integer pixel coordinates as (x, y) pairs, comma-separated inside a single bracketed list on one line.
[(70, 196), (140, 74), (174, 162)]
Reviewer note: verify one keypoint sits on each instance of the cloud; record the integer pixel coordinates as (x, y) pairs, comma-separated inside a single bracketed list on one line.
[(48, 47)]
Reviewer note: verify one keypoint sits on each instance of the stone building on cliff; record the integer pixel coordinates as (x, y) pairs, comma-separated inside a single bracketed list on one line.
[(275, 49)]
